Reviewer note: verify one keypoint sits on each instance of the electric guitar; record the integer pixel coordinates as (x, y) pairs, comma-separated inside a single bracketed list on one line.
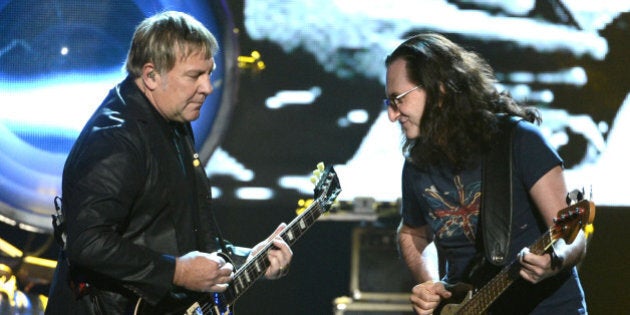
[(567, 225), (326, 190)]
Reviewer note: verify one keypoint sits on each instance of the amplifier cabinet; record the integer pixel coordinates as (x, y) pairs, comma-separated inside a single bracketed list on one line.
[(377, 272), (347, 306)]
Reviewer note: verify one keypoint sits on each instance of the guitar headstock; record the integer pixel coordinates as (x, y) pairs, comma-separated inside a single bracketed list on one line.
[(571, 219), (327, 186)]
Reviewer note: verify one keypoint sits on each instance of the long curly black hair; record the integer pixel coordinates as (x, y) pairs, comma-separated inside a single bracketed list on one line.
[(462, 106)]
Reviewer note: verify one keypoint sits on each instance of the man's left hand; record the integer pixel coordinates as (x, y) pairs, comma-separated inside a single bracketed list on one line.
[(536, 268), (279, 254)]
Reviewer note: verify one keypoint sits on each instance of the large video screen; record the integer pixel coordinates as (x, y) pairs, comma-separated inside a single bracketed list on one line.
[(319, 96), (309, 87)]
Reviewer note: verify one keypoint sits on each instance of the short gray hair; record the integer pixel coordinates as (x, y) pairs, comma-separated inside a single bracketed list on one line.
[(159, 39)]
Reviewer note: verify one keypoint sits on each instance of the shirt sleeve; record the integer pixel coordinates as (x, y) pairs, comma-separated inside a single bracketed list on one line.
[(410, 208), (533, 154)]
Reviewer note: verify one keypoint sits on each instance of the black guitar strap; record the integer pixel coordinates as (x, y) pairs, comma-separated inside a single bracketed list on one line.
[(496, 196)]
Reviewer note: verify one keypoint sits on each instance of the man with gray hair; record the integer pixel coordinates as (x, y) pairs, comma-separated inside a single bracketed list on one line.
[(137, 221)]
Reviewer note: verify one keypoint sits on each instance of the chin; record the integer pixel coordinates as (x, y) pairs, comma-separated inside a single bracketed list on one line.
[(411, 134), (193, 116)]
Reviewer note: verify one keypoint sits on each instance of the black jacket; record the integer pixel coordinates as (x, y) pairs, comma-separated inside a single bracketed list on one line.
[(131, 206)]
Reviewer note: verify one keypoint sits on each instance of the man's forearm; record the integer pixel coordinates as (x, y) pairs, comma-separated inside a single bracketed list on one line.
[(422, 268)]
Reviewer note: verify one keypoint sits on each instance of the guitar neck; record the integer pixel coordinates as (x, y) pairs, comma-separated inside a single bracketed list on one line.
[(485, 296), (254, 268)]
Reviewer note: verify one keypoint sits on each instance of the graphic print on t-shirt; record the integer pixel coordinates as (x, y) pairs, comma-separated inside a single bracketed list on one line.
[(454, 211)]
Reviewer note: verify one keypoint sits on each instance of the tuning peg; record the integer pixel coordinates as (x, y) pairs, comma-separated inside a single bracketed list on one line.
[(313, 179), (317, 173), (574, 196), (321, 167)]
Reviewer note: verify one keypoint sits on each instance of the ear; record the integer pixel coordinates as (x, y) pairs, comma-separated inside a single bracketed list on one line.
[(150, 76), (442, 88), (442, 93)]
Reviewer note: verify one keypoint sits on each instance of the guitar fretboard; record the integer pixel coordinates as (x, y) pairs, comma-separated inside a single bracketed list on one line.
[(485, 296), (327, 189), (254, 268)]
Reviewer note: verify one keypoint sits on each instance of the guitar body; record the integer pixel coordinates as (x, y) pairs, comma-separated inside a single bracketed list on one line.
[(461, 293), (189, 303), (186, 306)]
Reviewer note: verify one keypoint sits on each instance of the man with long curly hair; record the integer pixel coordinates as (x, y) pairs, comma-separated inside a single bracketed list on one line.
[(451, 114)]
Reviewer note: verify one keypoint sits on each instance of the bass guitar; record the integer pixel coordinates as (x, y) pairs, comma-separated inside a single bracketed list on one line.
[(327, 188), (567, 225)]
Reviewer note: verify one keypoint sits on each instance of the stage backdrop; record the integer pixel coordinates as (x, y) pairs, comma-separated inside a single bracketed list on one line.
[(300, 82)]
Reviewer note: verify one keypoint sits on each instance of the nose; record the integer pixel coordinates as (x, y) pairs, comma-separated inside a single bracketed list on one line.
[(206, 85), (392, 113)]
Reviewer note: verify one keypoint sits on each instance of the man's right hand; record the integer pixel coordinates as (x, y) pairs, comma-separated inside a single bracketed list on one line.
[(426, 297), (203, 272)]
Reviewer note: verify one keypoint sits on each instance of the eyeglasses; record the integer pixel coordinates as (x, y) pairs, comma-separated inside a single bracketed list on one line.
[(394, 101)]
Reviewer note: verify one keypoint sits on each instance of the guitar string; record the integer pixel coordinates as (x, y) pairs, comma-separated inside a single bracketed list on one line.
[(208, 305), (295, 229), (209, 299), (502, 281), (490, 291), (208, 302)]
